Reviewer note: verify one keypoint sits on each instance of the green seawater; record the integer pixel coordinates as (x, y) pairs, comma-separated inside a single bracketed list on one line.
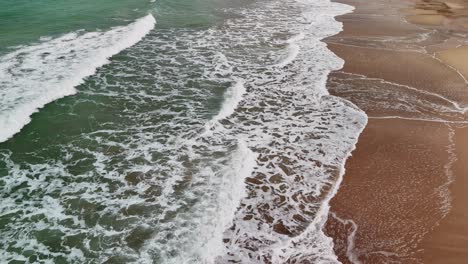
[(128, 141), (68, 178)]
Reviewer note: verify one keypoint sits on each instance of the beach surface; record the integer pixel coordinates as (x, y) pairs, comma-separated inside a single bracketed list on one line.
[(403, 196)]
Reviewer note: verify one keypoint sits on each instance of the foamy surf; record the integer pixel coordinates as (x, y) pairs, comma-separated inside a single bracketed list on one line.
[(33, 76), (203, 151), (302, 137)]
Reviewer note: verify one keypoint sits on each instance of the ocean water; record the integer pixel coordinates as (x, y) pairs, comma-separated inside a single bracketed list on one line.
[(169, 132)]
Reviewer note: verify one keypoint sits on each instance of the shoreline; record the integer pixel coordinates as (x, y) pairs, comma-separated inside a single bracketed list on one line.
[(401, 198)]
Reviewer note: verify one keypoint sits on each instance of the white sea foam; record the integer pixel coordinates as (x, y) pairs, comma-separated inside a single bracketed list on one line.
[(231, 191), (232, 97), (350, 250), (293, 51), (33, 76)]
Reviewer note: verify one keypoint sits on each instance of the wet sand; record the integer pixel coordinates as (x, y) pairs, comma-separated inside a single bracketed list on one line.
[(448, 243), (403, 197)]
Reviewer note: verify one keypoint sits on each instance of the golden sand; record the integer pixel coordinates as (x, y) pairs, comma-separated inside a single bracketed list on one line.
[(427, 19), (457, 58), (455, 5)]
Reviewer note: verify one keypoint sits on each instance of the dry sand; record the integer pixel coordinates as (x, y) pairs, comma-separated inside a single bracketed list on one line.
[(450, 14), (457, 58), (427, 19)]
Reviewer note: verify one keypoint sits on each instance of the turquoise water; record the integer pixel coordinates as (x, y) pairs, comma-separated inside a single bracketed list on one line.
[(188, 140)]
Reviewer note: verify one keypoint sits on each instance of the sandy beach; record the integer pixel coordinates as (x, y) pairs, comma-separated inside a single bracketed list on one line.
[(405, 187)]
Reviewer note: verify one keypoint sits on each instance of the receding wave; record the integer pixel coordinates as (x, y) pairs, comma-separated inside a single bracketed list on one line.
[(33, 76)]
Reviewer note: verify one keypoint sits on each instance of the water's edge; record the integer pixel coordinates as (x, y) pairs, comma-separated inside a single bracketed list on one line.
[(325, 210)]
